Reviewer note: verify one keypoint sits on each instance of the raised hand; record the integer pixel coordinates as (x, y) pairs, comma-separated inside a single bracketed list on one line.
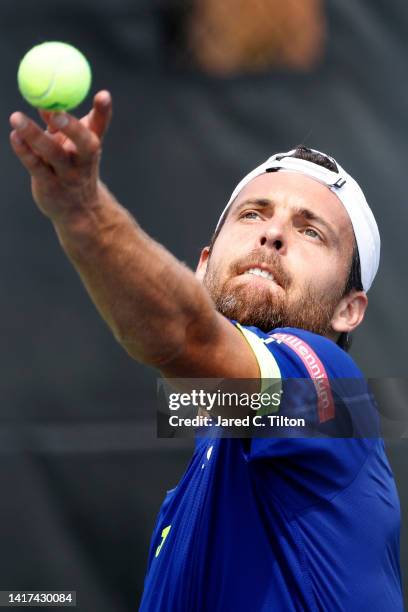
[(63, 160)]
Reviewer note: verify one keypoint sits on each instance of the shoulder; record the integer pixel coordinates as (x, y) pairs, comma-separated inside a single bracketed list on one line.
[(311, 349), (298, 352)]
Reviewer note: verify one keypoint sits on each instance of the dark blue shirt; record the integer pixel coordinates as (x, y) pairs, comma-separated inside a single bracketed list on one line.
[(281, 524)]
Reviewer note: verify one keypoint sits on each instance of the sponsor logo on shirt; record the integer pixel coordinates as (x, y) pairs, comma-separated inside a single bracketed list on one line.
[(315, 369)]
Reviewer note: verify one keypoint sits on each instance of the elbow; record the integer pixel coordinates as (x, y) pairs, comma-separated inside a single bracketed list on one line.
[(155, 350)]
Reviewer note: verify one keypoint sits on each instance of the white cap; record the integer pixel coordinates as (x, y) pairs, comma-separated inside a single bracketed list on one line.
[(349, 193)]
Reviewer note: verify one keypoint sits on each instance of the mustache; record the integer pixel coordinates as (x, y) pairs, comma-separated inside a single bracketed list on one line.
[(271, 260)]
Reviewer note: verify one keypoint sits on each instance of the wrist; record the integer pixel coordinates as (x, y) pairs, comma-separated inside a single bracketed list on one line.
[(86, 228)]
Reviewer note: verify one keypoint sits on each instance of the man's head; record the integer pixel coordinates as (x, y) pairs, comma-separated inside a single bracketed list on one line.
[(285, 254)]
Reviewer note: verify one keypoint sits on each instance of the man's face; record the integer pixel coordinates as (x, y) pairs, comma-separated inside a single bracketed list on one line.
[(283, 256)]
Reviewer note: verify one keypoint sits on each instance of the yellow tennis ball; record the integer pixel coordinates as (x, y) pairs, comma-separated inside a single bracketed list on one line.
[(54, 76)]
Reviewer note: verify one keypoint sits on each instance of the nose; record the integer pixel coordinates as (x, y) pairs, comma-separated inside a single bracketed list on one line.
[(273, 235)]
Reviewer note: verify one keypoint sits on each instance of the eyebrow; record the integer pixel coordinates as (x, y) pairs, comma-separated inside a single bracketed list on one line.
[(261, 202), (306, 213), (309, 215)]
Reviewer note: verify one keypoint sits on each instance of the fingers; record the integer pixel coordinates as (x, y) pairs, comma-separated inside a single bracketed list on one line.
[(32, 162), (66, 138), (101, 114), (87, 143), (96, 122), (46, 117), (39, 141)]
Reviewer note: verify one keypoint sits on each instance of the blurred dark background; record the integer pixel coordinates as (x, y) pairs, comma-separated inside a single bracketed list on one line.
[(203, 91)]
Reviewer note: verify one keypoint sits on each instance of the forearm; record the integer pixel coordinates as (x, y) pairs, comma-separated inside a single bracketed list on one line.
[(150, 300)]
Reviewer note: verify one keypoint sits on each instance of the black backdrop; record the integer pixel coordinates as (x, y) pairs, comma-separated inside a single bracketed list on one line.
[(82, 473)]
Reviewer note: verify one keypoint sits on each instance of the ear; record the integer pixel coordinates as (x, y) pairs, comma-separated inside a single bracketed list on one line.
[(202, 264), (349, 312)]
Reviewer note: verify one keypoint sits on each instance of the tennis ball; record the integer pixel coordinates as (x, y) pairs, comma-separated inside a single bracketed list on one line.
[(54, 76)]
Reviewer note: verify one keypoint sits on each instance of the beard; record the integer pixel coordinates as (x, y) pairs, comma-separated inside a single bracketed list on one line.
[(268, 310)]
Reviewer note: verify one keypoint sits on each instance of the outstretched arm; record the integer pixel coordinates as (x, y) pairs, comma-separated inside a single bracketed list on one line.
[(155, 306)]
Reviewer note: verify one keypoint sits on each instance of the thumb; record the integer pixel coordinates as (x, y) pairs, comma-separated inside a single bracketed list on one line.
[(100, 116)]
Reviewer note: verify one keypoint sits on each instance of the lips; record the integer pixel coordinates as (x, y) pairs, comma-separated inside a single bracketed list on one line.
[(269, 267), (261, 269), (256, 271)]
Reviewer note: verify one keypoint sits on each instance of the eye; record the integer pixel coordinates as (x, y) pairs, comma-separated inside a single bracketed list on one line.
[(309, 231), (250, 214)]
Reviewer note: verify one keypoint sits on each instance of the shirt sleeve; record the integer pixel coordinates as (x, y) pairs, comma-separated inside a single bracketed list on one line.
[(318, 379), (268, 366)]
